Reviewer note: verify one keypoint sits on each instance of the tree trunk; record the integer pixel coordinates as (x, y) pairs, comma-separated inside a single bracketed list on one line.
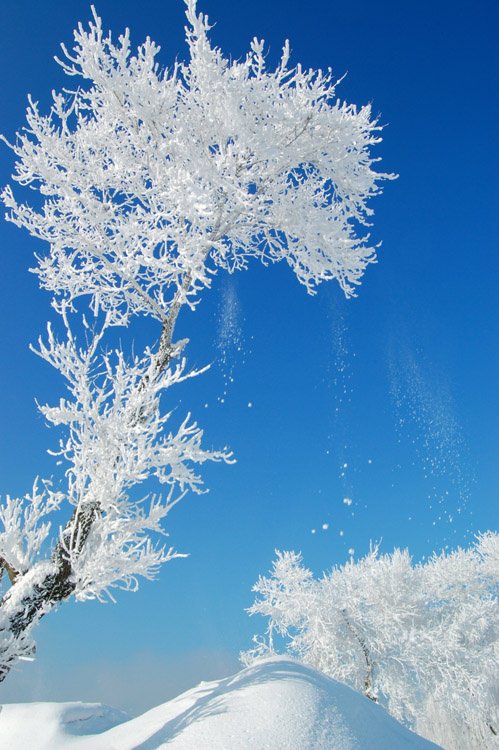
[(369, 679), (24, 604)]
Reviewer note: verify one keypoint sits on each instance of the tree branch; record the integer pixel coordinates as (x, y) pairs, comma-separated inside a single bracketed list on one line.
[(369, 680), (11, 572)]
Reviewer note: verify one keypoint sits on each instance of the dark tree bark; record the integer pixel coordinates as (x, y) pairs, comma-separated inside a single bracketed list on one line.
[(55, 586)]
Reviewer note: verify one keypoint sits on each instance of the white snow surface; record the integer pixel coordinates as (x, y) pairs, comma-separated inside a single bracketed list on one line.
[(272, 705)]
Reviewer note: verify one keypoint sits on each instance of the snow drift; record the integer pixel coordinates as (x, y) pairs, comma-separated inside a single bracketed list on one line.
[(272, 705)]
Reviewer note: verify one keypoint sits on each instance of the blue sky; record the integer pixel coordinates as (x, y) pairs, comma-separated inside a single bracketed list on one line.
[(388, 400)]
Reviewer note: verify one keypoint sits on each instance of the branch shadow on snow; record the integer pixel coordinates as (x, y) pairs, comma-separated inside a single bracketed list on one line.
[(215, 701)]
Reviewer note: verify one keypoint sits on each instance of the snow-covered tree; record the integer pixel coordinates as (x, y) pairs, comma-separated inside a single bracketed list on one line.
[(150, 180), (423, 639)]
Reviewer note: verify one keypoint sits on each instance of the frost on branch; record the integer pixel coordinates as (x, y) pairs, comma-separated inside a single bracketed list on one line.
[(22, 528), (149, 176), (117, 439), (423, 639), (117, 433), (149, 181)]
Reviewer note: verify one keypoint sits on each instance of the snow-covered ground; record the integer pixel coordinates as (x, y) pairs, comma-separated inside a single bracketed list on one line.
[(272, 705)]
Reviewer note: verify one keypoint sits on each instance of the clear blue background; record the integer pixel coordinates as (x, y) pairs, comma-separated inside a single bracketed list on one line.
[(388, 400)]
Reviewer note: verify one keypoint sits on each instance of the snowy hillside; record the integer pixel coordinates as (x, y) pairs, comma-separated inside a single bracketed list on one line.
[(272, 705)]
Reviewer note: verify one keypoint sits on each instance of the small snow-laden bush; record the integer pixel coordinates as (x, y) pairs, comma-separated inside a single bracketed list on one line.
[(422, 639)]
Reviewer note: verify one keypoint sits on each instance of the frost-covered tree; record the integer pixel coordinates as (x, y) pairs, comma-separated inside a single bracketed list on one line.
[(148, 181), (422, 639)]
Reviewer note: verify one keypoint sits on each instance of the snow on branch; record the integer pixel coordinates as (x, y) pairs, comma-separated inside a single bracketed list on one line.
[(118, 439), (22, 528), (148, 175)]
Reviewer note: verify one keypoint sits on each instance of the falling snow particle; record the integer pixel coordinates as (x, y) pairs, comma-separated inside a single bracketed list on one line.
[(313, 531), (347, 501), (325, 526), (250, 405), (351, 551)]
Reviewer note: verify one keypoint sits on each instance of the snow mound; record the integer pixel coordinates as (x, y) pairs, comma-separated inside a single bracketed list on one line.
[(47, 726), (272, 705)]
